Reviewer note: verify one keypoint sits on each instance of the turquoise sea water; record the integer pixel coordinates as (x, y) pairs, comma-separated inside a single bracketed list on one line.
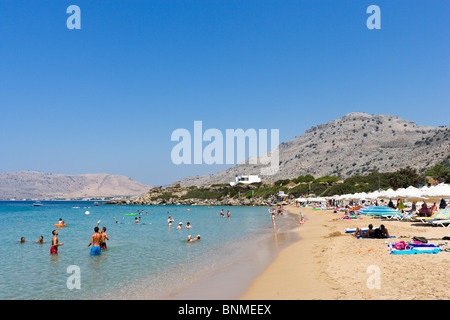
[(146, 261)]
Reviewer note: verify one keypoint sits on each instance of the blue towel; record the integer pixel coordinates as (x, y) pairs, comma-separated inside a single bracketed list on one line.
[(417, 250)]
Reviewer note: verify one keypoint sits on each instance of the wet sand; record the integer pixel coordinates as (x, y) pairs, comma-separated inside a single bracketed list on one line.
[(230, 278)]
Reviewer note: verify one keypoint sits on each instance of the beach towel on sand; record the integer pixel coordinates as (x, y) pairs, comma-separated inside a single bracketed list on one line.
[(414, 248)]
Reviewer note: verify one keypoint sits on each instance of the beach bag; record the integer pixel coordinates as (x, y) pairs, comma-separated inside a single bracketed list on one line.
[(400, 245), (420, 239)]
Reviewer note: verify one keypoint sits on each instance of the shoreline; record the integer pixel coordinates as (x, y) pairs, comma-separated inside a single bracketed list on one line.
[(328, 264), (231, 278), (294, 273)]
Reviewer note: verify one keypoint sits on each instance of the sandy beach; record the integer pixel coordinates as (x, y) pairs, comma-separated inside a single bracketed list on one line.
[(329, 264)]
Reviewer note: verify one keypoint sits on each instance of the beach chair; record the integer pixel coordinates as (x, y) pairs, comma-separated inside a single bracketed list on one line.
[(391, 217), (441, 223), (425, 220), (406, 216)]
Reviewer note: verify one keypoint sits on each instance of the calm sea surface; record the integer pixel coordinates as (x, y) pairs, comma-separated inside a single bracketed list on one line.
[(146, 261)]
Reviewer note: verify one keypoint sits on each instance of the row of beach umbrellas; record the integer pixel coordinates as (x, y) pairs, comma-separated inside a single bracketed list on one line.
[(411, 193)]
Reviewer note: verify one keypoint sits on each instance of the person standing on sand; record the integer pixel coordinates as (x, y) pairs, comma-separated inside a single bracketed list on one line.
[(95, 241), (55, 243)]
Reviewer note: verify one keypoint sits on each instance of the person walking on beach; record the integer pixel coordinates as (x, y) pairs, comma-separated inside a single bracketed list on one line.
[(95, 241), (55, 243)]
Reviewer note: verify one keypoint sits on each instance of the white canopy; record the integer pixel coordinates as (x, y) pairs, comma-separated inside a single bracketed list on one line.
[(438, 191)]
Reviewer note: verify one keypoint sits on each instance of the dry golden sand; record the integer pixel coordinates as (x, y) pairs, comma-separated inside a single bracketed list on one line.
[(327, 263)]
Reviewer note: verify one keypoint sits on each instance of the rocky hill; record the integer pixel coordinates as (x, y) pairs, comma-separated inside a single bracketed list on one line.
[(38, 185), (357, 143)]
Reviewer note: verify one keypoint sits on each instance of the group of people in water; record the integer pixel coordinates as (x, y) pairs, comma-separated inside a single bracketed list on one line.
[(98, 239), (180, 227)]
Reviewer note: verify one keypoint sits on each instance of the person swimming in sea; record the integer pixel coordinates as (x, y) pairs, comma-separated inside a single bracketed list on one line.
[(190, 239), (41, 240)]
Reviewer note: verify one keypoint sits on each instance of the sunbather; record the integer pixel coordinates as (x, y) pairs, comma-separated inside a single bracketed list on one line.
[(364, 234), (381, 232)]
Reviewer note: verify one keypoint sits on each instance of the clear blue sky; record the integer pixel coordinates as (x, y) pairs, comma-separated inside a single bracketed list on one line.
[(106, 98)]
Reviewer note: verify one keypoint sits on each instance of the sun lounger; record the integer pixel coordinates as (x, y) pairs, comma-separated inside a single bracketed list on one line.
[(424, 219), (407, 216), (441, 223)]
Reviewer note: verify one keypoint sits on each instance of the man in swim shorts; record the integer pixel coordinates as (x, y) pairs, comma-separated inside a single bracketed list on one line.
[(95, 241), (104, 238), (55, 244)]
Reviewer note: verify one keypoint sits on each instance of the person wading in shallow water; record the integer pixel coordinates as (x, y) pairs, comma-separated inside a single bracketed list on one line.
[(55, 243), (96, 238)]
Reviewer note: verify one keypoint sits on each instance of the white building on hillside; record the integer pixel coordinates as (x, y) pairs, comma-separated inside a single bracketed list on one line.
[(246, 179)]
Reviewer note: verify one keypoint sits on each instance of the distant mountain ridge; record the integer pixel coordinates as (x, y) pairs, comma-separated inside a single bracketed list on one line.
[(37, 185), (357, 143)]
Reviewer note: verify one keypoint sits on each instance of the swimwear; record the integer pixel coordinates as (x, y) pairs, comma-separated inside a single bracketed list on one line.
[(53, 249), (96, 250), (103, 245)]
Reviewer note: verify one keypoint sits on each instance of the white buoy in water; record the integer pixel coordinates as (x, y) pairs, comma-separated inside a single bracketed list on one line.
[(87, 213)]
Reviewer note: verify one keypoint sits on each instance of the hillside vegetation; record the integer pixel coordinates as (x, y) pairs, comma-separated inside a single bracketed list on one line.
[(266, 193)]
